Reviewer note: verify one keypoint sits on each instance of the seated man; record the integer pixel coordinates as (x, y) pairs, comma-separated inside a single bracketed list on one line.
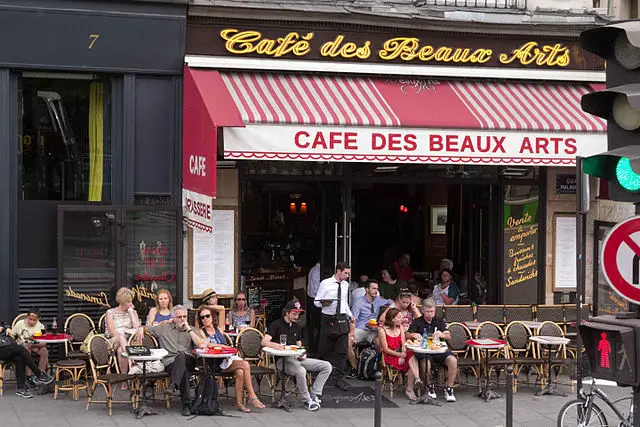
[(366, 309), (436, 327), (298, 367), (179, 339), (23, 332), (13, 352)]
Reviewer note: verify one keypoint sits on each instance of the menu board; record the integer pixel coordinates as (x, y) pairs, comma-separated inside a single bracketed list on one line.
[(253, 297), (276, 299), (520, 253), (606, 300), (564, 252), (213, 261)]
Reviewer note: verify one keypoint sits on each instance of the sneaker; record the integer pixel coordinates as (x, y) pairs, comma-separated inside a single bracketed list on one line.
[(432, 392), (343, 385), (311, 405), (44, 378), (315, 398), (448, 395), (353, 374), (23, 392), (186, 411)]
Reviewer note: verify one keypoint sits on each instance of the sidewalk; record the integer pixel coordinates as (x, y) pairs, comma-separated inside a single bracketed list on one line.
[(468, 411)]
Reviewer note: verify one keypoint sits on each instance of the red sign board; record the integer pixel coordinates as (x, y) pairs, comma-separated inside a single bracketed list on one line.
[(621, 259)]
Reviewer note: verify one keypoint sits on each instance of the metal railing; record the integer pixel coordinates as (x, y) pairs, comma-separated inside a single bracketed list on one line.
[(484, 4)]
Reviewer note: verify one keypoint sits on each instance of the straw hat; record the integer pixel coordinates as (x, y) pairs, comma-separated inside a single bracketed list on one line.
[(208, 293)]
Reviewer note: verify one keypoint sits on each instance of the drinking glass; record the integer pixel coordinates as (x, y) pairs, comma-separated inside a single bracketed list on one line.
[(429, 340), (43, 330), (283, 339)]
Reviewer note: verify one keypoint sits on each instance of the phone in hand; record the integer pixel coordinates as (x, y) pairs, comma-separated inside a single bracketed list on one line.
[(302, 355)]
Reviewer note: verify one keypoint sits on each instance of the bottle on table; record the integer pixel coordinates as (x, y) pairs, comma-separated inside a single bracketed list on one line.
[(425, 338), (54, 326), (436, 338)]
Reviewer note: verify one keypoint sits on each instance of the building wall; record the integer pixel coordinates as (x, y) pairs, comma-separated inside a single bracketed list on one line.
[(599, 210)]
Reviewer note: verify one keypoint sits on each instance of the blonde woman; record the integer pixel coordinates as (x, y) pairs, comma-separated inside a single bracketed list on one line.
[(241, 315), (162, 311), (119, 319)]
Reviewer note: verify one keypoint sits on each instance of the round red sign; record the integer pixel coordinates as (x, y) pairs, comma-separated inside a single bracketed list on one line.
[(621, 259)]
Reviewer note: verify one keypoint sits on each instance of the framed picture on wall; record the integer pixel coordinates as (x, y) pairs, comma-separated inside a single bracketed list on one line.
[(438, 219)]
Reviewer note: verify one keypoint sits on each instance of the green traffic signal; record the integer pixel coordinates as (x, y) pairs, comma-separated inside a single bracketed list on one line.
[(626, 176)]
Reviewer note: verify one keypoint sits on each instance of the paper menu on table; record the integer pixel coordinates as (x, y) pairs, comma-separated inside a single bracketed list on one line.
[(485, 341)]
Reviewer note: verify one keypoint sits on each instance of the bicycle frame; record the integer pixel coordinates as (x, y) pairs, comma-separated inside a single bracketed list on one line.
[(589, 398)]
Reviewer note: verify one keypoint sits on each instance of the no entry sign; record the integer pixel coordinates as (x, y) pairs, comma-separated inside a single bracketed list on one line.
[(621, 259)]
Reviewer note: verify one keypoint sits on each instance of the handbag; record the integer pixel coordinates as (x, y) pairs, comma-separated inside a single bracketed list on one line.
[(84, 347), (338, 323), (6, 341)]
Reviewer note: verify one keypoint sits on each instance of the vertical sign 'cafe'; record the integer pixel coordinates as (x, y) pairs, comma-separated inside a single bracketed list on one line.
[(520, 244)]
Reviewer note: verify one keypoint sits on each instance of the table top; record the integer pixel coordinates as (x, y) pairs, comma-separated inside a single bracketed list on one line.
[(288, 352), (211, 354), (531, 324), (53, 339), (156, 354), (418, 349), (472, 325), (549, 340), (486, 343)]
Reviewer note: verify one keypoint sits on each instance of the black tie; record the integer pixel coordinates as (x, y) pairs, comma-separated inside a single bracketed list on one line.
[(339, 299)]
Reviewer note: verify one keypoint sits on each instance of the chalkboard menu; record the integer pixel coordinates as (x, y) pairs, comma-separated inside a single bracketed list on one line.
[(253, 297), (276, 299), (520, 253), (606, 300)]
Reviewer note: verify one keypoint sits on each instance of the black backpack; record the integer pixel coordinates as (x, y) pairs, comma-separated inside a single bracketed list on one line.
[(206, 401), (368, 364)]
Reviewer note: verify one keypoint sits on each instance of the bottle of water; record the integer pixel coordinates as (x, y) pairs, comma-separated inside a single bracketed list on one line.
[(436, 339), (425, 338)]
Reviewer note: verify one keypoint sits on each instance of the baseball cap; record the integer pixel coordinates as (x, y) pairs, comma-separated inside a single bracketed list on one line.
[(293, 305)]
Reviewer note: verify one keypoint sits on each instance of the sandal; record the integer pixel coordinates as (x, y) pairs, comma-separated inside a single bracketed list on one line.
[(256, 403), (411, 395), (243, 409)]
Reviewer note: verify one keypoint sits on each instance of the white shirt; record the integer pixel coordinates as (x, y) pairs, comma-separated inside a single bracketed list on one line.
[(313, 281), (329, 290)]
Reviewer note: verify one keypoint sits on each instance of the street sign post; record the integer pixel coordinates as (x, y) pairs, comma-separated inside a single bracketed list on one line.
[(621, 259)]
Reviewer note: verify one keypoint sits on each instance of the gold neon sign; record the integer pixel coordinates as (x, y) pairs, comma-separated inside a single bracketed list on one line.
[(398, 48)]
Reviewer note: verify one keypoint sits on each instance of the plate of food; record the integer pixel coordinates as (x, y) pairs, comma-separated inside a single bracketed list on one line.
[(373, 323)]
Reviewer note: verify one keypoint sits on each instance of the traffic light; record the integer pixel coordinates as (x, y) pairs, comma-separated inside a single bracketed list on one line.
[(611, 348), (619, 45)]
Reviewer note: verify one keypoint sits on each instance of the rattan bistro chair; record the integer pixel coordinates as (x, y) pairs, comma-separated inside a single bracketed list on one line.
[(159, 380), (498, 359), (249, 345), (467, 361), (559, 353), (79, 326), (104, 367), (523, 351)]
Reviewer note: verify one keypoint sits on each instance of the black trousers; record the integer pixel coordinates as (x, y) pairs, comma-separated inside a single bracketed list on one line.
[(180, 370), (20, 358), (333, 348), (313, 325)]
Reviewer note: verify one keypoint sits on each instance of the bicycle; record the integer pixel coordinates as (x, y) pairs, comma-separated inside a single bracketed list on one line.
[(584, 412)]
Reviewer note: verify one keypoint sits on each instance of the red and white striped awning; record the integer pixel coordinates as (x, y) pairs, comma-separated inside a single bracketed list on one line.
[(359, 101)]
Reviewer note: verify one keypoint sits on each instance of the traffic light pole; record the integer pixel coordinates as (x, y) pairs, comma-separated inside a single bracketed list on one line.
[(582, 208)]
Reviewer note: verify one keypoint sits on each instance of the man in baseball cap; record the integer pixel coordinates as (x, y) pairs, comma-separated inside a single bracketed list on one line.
[(297, 366)]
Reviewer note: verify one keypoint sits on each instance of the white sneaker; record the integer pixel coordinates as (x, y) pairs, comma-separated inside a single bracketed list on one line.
[(432, 392), (448, 395)]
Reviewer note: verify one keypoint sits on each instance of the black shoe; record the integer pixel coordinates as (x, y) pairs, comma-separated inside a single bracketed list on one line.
[(343, 385), (186, 411), (353, 374), (44, 378), (23, 392)]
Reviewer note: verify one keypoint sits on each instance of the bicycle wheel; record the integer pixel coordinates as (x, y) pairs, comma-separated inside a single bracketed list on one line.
[(572, 415)]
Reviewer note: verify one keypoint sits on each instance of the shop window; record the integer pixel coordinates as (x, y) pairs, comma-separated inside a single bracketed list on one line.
[(66, 146)]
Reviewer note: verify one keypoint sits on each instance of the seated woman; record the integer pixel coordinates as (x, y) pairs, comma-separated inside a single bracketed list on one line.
[(392, 341), (209, 297), (119, 319), (241, 314), (23, 333), (446, 292), (162, 311), (211, 334)]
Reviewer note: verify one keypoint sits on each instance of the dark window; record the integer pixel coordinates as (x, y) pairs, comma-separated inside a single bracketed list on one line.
[(66, 153)]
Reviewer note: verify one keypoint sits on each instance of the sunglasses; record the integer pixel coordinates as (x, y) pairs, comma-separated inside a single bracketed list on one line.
[(205, 316), (241, 299)]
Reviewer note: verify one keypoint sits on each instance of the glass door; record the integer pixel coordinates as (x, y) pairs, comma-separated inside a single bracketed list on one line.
[(336, 226)]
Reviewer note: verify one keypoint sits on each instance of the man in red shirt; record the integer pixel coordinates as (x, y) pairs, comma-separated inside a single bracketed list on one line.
[(403, 268)]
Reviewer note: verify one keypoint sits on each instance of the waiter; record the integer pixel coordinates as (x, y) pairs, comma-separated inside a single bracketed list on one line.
[(336, 321)]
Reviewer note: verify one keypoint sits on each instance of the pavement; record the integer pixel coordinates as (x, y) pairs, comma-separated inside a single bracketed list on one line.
[(468, 411)]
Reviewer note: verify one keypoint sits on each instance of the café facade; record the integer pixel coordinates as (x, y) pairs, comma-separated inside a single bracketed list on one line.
[(343, 142)]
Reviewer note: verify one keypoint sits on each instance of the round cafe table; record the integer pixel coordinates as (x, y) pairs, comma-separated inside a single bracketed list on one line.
[(281, 355), (53, 338), (156, 354), (417, 348), (487, 345), (548, 342), (211, 355)]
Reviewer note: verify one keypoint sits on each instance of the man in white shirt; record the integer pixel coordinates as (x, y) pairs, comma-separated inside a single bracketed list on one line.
[(336, 321), (313, 313)]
